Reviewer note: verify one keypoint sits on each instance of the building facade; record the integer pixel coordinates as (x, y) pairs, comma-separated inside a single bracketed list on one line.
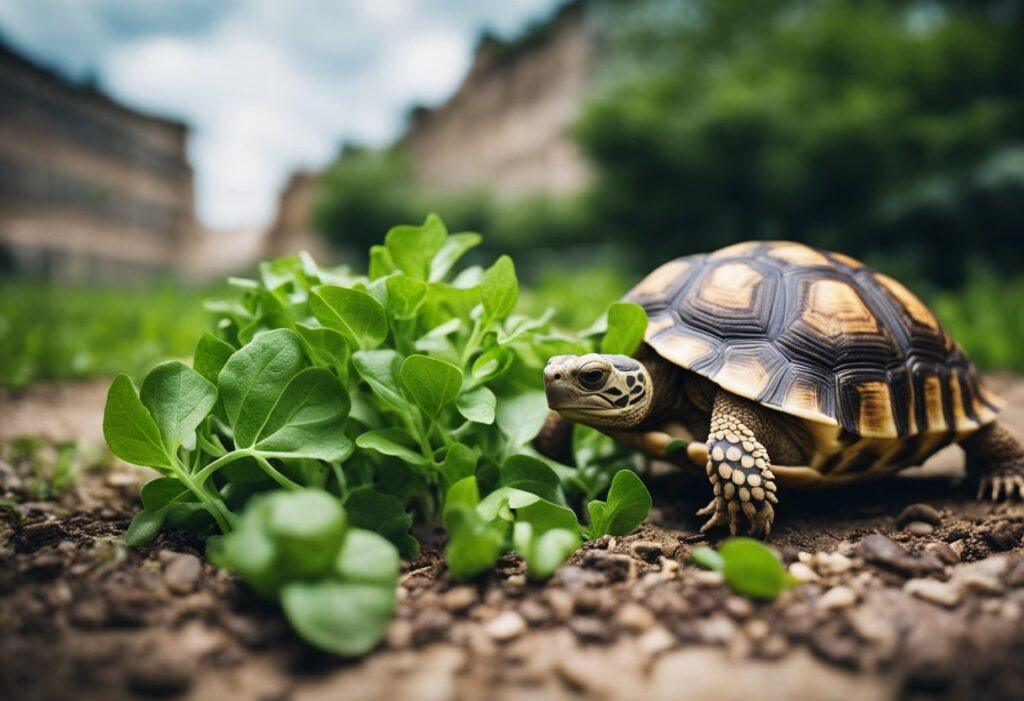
[(89, 189)]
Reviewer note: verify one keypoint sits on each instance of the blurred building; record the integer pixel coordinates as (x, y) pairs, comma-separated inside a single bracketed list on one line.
[(89, 189), (507, 127)]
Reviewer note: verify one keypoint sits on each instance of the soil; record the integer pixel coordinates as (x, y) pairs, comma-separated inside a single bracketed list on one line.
[(911, 588)]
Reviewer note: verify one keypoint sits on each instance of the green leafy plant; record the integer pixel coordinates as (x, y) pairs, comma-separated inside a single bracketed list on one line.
[(330, 411), (750, 568)]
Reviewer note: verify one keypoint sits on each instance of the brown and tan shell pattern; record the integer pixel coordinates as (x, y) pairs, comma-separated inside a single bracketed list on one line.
[(815, 334)]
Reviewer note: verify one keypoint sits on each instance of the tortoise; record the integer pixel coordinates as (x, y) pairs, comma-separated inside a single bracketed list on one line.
[(802, 367)]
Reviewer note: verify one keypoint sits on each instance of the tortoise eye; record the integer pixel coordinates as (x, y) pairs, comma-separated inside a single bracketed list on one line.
[(592, 378)]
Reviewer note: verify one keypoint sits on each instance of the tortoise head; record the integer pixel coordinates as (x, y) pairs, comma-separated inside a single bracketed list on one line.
[(603, 391)]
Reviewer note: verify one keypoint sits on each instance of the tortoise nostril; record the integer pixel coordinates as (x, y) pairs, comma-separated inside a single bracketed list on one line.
[(558, 376)]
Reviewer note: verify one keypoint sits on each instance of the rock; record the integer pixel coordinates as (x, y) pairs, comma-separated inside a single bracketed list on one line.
[(983, 576), (942, 551), (957, 546), (1004, 535), (506, 626), (739, 607), (930, 655), (837, 598), (534, 613), (919, 512), (159, 674), (834, 644), (757, 629), (718, 629), (561, 602), (832, 563), (90, 612), (773, 647), (181, 572), (616, 567), (941, 593), (430, 626), (884, 553), (803, 573), (647, 550), (656, 641), (458, 599), (1015, 574), (708, 578), (590, 629), (919, 528), (634, 617), (399, 633)]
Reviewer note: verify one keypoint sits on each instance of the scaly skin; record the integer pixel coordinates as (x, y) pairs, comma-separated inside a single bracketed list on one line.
[(739, 467), (996, 453)]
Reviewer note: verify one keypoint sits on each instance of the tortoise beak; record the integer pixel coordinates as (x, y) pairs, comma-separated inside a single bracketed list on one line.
[(556, 389)]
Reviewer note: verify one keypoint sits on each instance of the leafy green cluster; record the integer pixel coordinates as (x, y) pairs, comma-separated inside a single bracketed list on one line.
[(413, 392), (749, 567)]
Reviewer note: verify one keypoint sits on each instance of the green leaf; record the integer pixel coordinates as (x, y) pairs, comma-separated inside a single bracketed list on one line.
[(477, 405), (627, 323), (130, 431), (340, 617), (380, 370), (532, 475), (626, 507), (492, 364), (751, 569), (383, 514), (158, 493), (474, 545), (144, 527), (521, 416), (308, 419), (368, 558), (381, 264), (210, 356), (708, 558), (178, 398), (454, 247), (499, 289), (392, 441), (544, 552), (412, 248), (253, 379), (433, 384), (325, 347), (405, 296), (356, 314), (459, 463), (306, 527)]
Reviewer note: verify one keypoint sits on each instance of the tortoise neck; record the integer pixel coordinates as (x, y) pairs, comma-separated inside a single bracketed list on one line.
[(666, 383)]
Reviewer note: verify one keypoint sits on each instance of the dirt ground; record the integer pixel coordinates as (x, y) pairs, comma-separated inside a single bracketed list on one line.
[(911, 589)]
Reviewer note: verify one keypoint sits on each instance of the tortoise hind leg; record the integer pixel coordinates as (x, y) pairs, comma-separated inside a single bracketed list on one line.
[(995, 453), (738, 466)]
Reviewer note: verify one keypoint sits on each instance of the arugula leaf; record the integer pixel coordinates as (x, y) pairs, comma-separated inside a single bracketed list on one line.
[(380, 370), (210, 356), (627, 323), (405, 296), (499, 289), (412, 248), (178, 398), (307, 419), (144, 527), (477, 405), (749, 568), (626, 507), (384, 514), (454, 247), (325, 347), (433, 384), (356, 314), (129, 428)]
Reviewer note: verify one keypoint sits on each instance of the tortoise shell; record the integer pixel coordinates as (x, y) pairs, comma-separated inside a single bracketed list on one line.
[(817, 335)]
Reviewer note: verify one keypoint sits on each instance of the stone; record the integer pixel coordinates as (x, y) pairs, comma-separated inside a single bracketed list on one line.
[(708, 578), (837, 598), (1015, 574), (919, 528), (590, 629), (647, 550), (656, 641), (942, 551), (616, 567), (1004, 535), (739, 607), (984, 576), (882, 552), (832, 563), (941, 593), (634, 617), (919, 512), (561, 602), (181, 572), (717, 629), (803, 573), (459, 599), (534, 612), (505, 626)]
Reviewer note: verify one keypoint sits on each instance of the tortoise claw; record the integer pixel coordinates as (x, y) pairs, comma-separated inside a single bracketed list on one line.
[(1005, 484)]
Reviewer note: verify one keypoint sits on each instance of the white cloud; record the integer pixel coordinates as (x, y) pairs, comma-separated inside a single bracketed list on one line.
[(267, 86)]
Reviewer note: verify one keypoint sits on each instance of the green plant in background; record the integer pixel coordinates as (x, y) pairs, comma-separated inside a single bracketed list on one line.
[(749, 567), (330, 407)]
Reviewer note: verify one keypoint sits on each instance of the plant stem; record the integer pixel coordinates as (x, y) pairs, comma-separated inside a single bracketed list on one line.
[(204, 474), (474, 341), (275, 475)]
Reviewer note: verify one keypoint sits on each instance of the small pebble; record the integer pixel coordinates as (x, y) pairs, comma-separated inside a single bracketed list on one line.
[(591, 629), (919, 512), (803, 572), (459, 599), (837, 598), (943, 552), (832, 563), (648, 550), (708, 578), (739, 607), (506, 626), (182, 573), (919, 528), (941, 593), (757, 629), (1015, 574), (655, 641), (534, 612), (635, 617)]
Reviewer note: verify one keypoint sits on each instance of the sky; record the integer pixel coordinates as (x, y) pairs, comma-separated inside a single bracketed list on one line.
[(268, 86)]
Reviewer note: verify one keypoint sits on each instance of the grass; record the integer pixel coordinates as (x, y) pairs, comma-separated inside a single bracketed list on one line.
[(51, 332)]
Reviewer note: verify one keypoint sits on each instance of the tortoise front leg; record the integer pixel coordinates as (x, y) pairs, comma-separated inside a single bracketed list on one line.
[(739, 467), (996, 453)]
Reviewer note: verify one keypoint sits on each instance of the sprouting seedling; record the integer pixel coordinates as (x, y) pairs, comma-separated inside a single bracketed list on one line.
[(749, 568)]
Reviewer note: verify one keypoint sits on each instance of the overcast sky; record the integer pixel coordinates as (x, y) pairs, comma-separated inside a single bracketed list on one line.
[(268, 86)]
